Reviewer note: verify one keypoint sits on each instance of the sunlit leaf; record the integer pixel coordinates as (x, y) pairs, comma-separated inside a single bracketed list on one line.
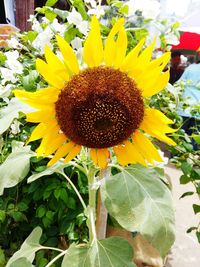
[(10, 112), (58, 167), (28, 249), (51, 2), (15, 168), (139, 201), (110, 252)]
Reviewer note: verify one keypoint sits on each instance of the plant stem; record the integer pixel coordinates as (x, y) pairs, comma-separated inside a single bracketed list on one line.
[(76, 190), (102, 214), (92, 206), (56, 258)]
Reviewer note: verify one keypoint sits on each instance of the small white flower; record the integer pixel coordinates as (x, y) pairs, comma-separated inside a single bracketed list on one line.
[(5, 91), (98, 11), (15, 127), (149, 8), (43, 39), (36, 26), (75, 18), (76, 43), (7, 75), (12, 62), (45, 20), (58, 27), (91, 2), (83, 27), (13, 43), (172, 39)]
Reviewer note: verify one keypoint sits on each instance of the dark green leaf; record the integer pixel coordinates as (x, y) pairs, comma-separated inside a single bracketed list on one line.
[(18, 216), (57, 193), (198, 236), (196, 138), (196, 208), (51, 2), (71, 203), (191, 229), (195, 174), (42, 262), (2, 215), (186, 168), (63, 195), (187, 194), (40, 212), (2, 258), (184, 179), (50, 215), (22, 206)]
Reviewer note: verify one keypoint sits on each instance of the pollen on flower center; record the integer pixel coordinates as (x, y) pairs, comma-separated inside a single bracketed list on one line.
[(100, 107)]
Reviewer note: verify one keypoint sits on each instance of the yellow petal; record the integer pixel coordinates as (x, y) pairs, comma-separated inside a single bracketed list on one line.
[(133, 152), (54, 144), (102, 157), (146, 148), (145, 57), (41, 116), (55, 65), (159, 85), (128, 153), (50, 136), (38, 132), (158, 115), (39, 99), (44, 69), (73, 153), (122, 157), (112, 43), (61, 152), (121, 46), (131, 59), (155, 126), (68, 55), (161, 62), (93, 47)]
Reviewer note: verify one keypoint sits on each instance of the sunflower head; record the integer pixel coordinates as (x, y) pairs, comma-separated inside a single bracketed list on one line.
[(102, 105)]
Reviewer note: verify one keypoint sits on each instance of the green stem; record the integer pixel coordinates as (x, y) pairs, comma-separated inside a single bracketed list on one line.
[(75, 189), (92, 206), (56, 258)]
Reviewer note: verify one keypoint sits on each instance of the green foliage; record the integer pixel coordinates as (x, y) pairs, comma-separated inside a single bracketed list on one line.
[(113, 251), (145, 205), (49, 202), (51, 2), (29, 247)]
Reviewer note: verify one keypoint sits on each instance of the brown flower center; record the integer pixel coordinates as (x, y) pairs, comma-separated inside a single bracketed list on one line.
[(100, 107)]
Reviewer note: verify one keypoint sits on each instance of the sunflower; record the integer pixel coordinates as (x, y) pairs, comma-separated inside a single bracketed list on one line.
[(101, 106)]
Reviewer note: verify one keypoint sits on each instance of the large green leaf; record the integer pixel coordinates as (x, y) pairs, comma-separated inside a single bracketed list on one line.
[(11, 111), (139, 201), (27, 250), (58, 167), (15, 168), (22, 262), (110, 252)]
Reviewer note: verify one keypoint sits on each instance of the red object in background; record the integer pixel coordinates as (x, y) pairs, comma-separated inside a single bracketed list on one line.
[(188, 41)]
